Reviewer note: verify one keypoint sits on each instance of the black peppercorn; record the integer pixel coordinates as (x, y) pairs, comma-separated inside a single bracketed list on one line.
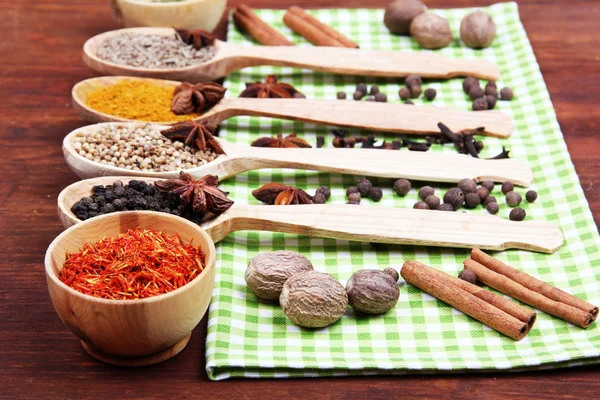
[(506, 94), (364, 185), (476, 92), (468, 82), (374, 90), (425, 192), (445, 207), (513, 199), (375, 194), (467, 185), (354, 198), (489, 185), (531, 196), (404, 93), (362, 87), (409, 102), (421, 205), (358, 95), (350, 190), (325, 191), (480, 104), (402, 187), (108, 208), (430, 94), (517, 214), (491, 101), (468, 275), (483, 193), (433, 202), (472, 200), (370, 98), (341, 95), (455, 197), (507, 187), (381, 97), (489, 199), (319, 198), (493, 207)]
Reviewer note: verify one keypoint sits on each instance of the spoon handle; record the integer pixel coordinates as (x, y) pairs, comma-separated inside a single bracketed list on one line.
[(387, 117), (391, 225), (384, 63), (422, 166)]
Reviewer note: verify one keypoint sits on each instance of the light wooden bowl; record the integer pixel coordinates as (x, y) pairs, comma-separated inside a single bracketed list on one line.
[(187, 14), (131, 332)]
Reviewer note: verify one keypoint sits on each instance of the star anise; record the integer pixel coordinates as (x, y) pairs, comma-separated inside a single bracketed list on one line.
[(279, 194), (202, 195), (197, 38), (194, 134), (269, 89), (200, 97), (290, 141)]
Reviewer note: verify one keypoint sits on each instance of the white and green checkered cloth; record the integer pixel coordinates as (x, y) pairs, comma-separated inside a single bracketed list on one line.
[(252, 338)]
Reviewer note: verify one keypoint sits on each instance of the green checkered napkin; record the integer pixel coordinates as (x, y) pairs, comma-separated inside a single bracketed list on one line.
[(252, 338)]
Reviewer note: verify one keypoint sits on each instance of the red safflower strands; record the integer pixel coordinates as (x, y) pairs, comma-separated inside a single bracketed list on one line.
[(133, 265)]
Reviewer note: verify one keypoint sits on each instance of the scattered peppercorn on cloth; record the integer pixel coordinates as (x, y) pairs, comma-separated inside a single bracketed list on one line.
[(254, 339)]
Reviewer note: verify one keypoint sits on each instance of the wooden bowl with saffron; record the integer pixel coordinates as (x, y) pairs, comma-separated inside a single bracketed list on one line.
[(131, 332)]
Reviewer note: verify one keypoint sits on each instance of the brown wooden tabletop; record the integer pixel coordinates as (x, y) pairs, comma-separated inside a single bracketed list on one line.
[(40, 47)]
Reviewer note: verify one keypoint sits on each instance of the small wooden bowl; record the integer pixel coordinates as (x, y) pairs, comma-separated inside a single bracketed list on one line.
[(131, 332), (186, 14)]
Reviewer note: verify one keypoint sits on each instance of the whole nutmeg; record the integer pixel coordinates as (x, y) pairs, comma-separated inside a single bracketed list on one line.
[(477, 30), (373, 291), (431, 31), (400, 13), (313, 299), (267, 272)]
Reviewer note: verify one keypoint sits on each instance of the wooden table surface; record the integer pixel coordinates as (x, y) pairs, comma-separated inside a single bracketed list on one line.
[(40, 43)]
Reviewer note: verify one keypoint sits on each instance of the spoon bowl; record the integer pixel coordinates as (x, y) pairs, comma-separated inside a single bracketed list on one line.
[(423, 166), (230, 58)]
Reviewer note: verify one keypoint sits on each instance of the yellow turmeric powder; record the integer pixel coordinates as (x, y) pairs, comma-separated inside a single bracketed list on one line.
[(136, 99)]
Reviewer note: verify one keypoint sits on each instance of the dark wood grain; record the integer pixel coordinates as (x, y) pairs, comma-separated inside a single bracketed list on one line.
[(40, 43)]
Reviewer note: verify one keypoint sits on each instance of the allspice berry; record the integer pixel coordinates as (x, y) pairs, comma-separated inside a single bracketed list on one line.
[(402, 187), (421, 205), (493, 207), (491, 101), (475, 92), (354, 198), (374, 90), (413, 80), (491, 89), (468, 275), (400, 13), (506, 94), (364, 185), (431, 31), (513, 199), (517, 214), (350, 190), (313, 299), (468, 82), (445, 207), (455, 197), (425, 192), (477, 30), (489, 199), (362, 87), (381, 97), (409, 102), (483, 193), (375, 194), (472, 200), (430, 94), (433, 202), (507, 187), (404, 93), (267, 272), (319, 198), (480, 104), (358, 95), (531, 196), (373, 291), (467, 185), (325, 191), (341, 95), (489, 185)]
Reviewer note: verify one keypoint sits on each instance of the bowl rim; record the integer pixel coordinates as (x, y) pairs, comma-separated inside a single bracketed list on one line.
[(162, 4), (208, 264)]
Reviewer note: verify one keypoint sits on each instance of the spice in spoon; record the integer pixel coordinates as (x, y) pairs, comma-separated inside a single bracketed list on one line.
[(136, 264), (271, 88), (197, 98)]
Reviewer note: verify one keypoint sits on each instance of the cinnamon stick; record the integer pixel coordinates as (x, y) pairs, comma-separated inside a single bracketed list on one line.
[(314, 30), (517, 291), (247, 21), (441, 287), (532, 283)]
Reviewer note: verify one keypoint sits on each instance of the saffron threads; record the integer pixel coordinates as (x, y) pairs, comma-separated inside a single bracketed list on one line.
[(133, 265)]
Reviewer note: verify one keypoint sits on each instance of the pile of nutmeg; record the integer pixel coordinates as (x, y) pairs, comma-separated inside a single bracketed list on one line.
[(431, 31)]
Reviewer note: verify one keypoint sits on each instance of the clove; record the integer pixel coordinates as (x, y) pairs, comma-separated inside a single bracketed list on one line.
[(504, 154)]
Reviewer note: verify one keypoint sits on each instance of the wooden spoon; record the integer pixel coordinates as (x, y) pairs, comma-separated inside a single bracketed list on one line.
[(361, 223), (387, 117), (428, 166), (230, 58)]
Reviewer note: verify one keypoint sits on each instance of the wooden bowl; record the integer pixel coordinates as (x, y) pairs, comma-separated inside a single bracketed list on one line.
[(187, 14), (131, 332)]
